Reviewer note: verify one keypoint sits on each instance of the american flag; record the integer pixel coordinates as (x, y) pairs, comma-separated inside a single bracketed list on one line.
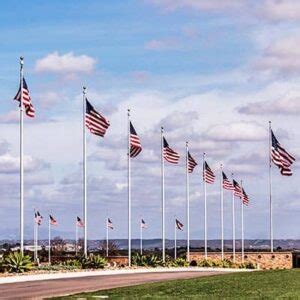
[(227, 184), (245, 198), (135, 143), (169, 154), (110, 223), (179, 225), (53, 221), (29, 109), (281, 158), (237, 189), (191, 163), (38, 218), (143, 224), (94, 121), (208, 174), (79, 222)]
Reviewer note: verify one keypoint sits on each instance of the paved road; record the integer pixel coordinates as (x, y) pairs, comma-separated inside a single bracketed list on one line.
[(60, 287)]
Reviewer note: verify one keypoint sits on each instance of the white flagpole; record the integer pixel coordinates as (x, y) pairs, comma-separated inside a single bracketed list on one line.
[(163, 196), (34, 238), (205, 211), (222, 211), (76, 238), (175, 242), (187, 203), (233, 224), (106, 237), (242, 217), (49, 242), (141, 238), (84, 173), (270, 189), (37, 241), (21, 159), (129, 192)]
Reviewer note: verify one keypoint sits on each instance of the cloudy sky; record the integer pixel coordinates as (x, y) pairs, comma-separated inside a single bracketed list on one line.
[(212, 73)]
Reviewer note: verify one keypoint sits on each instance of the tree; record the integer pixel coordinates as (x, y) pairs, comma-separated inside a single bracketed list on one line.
[(58, 245)]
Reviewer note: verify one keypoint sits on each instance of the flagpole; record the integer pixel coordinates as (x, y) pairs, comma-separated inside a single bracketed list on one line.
[(21, 159), (37, 242), (233, 224), (187, 203), (84, 172), (270, 189), (242, 217), (175, 242), (106, 237), (129, 191), (34, 238), (141, 239), (49, 242), (222, 211), (163, 196), (76, 238), (205, 211)]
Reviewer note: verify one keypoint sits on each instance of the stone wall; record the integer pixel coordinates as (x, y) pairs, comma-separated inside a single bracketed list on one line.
[(264, 260)]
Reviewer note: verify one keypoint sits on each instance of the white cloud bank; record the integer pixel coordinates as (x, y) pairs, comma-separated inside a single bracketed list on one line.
[(65, 64), (268, 10), (238, 131), (282, 106), (281, 56)]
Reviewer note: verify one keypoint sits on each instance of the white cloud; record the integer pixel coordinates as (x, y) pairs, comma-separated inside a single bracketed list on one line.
[(284, 106), (237, 131), (4, 146), (11, 164), (281, 56), (12, 116), (200, 5), (163, 44), (281, 10), (65, 64)]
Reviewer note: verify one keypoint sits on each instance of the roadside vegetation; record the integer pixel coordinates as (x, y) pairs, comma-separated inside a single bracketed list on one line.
[(15, 262), (275, 284)]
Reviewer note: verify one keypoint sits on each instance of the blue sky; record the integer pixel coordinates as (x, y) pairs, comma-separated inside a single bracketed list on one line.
[(212, 73)]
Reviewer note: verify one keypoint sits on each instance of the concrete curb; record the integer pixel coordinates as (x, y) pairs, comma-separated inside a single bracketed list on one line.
[(52, 276)]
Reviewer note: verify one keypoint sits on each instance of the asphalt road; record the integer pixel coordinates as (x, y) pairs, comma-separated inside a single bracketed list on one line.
[(60, 287)]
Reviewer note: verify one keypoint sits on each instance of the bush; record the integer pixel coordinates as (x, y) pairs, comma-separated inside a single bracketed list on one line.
[(146, 260), (193, 263), (92, 262), (179, 262), (16, 262), (73, 263), (225, 263), (248, 265)]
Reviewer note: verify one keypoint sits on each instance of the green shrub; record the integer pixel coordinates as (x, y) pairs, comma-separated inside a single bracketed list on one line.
[(225, 263), (206, 263), (16, 262), (73, 263), (92, 262), (179, 262), (247, 265), (146, 260), (2, 268)]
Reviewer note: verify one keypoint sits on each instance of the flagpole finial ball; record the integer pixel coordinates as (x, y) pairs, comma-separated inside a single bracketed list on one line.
[(84, 88), (21, 60)]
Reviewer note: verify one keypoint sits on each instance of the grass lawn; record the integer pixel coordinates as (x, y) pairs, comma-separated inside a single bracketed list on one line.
[(260, 284)]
